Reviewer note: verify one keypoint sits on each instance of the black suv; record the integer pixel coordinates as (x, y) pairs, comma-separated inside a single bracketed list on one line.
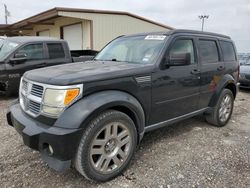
[(94, 114)]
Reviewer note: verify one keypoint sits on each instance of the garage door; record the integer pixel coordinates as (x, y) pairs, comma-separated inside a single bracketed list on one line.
[(73, 35), (44, 33)]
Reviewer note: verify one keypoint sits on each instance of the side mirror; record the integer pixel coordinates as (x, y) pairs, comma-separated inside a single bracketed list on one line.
[(179, 59), (18, 58)]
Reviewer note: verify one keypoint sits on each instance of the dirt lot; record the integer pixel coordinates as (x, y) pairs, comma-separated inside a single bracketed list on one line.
[(188, 154)]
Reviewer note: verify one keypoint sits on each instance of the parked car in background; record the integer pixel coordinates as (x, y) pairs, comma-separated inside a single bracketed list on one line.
[(243, 58), (245, 75), (94, 114), (21, 54)]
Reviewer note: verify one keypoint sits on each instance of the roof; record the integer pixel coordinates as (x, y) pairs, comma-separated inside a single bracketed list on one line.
[(183, 31), (53, 13), (24, 39)]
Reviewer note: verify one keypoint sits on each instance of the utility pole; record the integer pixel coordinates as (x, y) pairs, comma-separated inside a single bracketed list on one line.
[(7, 13), (203, 17)]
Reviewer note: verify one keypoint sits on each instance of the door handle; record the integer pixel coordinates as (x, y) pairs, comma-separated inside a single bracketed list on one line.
[(195, 71), (221, 68)]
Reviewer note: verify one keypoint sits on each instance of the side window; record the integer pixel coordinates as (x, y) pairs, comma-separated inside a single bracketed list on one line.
[(33, 51), (228, 51), (208, 51), (183, 47), (55, 50)]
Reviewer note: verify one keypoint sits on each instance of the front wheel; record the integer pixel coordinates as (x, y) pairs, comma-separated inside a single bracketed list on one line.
[(222, 112), (107, 146)]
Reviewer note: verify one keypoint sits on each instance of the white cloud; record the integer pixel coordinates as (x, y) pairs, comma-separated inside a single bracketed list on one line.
[(229, 17)]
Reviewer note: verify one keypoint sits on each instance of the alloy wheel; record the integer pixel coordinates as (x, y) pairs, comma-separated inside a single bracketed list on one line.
[(110, 147), (225, 108)]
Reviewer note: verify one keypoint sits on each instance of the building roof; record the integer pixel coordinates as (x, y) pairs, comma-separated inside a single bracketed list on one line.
[(43, 17), (24, 39)]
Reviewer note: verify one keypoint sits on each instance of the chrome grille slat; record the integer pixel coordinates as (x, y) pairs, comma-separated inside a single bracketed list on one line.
[(36, 90), (34, 107), (31, 94), (25, 86)]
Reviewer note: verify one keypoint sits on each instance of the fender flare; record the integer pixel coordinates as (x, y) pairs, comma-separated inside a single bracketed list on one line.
[(77, 115), (224, 81)]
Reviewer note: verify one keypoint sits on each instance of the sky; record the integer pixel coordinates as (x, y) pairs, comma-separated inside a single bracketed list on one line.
[(230, 17)]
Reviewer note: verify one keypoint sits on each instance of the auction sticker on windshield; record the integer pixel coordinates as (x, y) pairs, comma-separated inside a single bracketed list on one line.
[(155, 37)]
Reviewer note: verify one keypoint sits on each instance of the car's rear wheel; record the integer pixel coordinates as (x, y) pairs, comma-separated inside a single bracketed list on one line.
[(107, 146), (221, 113)]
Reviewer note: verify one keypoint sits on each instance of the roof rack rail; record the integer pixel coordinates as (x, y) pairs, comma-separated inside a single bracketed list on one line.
[(197, 32)]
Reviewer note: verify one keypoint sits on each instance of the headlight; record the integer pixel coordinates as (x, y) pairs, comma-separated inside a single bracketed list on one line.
[(57, 99)]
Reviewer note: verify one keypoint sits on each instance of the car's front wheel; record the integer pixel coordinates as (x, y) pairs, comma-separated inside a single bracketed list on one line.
[(107, 146)]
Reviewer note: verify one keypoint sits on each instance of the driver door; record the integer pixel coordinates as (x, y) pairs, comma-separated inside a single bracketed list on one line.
[(33, 58), (175, 88)]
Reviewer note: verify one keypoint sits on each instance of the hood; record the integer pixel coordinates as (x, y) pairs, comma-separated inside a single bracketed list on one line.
[(245, 69), (75, 73)]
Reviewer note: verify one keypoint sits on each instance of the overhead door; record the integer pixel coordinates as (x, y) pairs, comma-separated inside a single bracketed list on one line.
[(43, 33), (73, 34)]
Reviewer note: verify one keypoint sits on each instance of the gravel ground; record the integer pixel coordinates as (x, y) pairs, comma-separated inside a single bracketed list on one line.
[(188, 154)]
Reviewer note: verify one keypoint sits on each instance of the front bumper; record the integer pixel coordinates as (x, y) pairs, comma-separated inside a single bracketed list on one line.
[(39, 136), (244, 83)]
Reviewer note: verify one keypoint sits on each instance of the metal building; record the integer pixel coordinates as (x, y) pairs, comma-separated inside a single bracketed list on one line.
[(82, 28)]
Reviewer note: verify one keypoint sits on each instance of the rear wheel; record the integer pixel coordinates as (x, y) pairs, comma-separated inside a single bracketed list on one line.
[(222, 112), (107, 146)]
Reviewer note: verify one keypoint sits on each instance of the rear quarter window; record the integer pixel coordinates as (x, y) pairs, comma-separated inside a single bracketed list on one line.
[(55, 50), (228, 51), (208, 51)]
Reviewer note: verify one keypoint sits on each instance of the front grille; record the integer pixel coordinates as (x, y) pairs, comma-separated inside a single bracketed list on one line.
[(247, 76), (37, 90), (34, 107), (31, 95)]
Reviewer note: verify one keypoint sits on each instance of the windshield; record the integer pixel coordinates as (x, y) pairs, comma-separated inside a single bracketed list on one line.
[(6, 48), (1, 42), (138, 49)]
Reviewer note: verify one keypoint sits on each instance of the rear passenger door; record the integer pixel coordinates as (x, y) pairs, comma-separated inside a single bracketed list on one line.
[(230, 58), (212, 68), (56, 54)]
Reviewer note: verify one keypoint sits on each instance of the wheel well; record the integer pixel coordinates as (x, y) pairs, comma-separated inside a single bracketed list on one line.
[(231, 87), (131, 114)]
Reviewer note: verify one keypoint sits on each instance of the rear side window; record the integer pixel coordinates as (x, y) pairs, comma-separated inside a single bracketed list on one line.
[(208, 51), (228, 51), (55, 50)]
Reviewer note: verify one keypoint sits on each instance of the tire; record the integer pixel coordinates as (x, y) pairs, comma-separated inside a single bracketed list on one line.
[(102, 156), (223, 109)]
